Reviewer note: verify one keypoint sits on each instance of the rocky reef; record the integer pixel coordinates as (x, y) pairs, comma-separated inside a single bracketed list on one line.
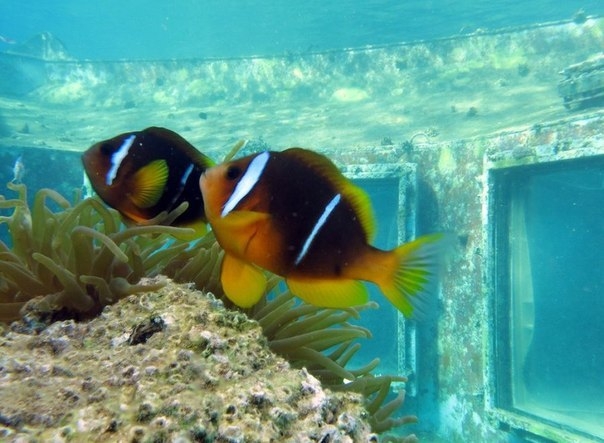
[(168, 365)]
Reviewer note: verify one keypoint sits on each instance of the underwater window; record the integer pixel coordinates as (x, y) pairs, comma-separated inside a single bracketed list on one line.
[(548, 316), (392, 190)]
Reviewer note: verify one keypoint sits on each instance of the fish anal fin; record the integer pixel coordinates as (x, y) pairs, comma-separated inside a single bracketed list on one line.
[(149, 183), (329, 293), (243, 284)]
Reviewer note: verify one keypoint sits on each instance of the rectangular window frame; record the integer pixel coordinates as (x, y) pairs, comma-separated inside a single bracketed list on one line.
[(499, 401), (405, 174)]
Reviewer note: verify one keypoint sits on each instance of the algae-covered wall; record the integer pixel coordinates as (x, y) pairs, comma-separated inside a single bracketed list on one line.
[(447, 89), (458, 174), (455, 398)]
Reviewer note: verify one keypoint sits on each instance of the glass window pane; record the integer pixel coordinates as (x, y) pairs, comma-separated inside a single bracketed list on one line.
[(556, 245)]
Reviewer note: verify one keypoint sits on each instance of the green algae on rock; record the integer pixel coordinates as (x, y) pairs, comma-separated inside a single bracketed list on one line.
[(207, 376)]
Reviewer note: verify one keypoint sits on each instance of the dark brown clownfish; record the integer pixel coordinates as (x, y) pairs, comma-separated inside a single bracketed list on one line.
[(294, 214), (146, 173)]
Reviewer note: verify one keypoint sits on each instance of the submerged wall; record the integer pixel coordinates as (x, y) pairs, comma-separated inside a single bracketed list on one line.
[(457, 173), (446, 89), (456, 380)]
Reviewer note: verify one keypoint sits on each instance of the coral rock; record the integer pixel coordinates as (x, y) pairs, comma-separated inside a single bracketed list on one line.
[(204, 377)]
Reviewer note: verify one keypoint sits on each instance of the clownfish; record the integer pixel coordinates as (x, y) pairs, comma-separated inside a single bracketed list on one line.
[(294, 214), (148, 173)]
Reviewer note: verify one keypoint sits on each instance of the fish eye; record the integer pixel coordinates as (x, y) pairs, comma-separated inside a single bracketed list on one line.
[(233, 172)]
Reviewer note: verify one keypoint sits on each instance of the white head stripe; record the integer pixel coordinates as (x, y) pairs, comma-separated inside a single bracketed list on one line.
[(117, 158), (315, 230), (247, 182)]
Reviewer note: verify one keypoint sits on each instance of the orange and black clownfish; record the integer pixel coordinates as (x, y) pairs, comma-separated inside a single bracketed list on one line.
[(294, 214), (146, 173)]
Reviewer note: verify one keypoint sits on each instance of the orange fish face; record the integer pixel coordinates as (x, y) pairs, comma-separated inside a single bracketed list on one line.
[(214, 190), (102, 173), (235, 185), (237, 206)]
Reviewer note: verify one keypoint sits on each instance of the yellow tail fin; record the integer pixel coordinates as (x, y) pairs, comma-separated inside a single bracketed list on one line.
[(414, 277)]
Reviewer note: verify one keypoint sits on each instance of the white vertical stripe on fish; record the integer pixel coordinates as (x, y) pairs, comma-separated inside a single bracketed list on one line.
[(182, 184), (315, 230), (185, 176), (117, 158), (247, 182)]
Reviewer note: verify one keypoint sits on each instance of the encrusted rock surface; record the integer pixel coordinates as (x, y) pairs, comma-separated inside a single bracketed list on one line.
[(205, 375)]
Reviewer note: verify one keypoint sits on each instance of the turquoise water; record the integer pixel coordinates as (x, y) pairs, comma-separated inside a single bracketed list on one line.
[(142, 29)]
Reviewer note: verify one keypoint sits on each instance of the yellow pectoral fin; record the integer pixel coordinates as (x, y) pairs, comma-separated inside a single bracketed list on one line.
[(149, 183), (243, 284), (238, 220), (235, 231), (329, 293)]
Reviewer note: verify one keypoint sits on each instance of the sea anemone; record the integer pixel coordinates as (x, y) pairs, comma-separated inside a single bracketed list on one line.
[(74, 259), (323, 341)]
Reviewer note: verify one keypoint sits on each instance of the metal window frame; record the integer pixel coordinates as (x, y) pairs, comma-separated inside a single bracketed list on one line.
[(497, 194), (405, 174)]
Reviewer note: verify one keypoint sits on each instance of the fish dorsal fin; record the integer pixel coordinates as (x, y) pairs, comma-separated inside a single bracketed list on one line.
[(355, 196), (361, 203), (202, 160), (149, 183), (179, 142), (329, 293), (242, 283)]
